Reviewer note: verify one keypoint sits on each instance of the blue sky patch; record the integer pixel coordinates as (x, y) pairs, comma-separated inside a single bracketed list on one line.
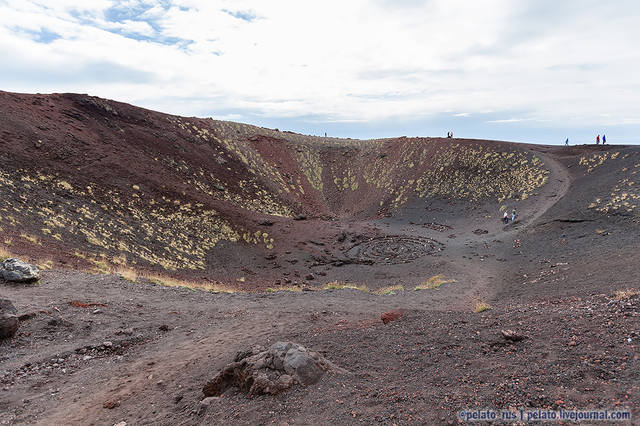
[(245, 15)]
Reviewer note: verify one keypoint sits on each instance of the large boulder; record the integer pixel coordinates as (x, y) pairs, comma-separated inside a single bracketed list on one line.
[(18, 271), (259, 371), (9, 321)]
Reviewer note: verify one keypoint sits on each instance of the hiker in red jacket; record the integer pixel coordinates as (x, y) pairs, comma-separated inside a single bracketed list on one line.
[(598, 140)]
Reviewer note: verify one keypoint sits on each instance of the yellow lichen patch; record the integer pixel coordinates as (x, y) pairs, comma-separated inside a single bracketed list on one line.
[(475, 172), (347, 181), (624, 197), (596, 160), (311, 165), (161, 232)]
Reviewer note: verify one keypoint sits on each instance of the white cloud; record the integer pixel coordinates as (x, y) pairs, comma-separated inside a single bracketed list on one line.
[(356, 61)]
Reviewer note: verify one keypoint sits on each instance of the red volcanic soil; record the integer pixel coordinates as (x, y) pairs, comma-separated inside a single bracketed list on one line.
[(93, 190)]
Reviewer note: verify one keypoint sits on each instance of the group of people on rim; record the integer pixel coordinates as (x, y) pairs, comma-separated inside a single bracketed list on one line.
[(604, 140)]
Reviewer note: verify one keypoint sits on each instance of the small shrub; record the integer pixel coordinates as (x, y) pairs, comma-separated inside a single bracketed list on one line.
[(101, 266), (389, 289), (127, 274), (481, 307), (627, 293), (30, 238), (47, 264), (335, 285), (4, 253), (434, 282), (277, 289), (191, 285)]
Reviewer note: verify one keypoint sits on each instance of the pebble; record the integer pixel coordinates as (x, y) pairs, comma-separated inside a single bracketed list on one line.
[(87, 357)]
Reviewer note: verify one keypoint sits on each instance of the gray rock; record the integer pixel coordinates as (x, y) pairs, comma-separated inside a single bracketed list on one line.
[(18, 271), (9, 321), (259, 371)]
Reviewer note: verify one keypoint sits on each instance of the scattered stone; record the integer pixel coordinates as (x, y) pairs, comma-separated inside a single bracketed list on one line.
[(310, 277), (219, 186), (26, 317), (387, 317), (163, 327), (259, 371), (266, 222), (207, 401), (512, 336), (107, 344), (9, 321), (480, 231), (300, 217), (111, 404), (125, 331), (123, 423), (15, 270), (220, 160)]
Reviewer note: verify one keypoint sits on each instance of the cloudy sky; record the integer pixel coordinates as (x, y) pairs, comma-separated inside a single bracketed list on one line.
[(524, 70)]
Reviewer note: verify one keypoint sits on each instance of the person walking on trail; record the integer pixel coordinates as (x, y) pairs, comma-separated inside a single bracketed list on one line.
[(598, 140), (505, 217), (513, 215), (566, 142), (604, 139)]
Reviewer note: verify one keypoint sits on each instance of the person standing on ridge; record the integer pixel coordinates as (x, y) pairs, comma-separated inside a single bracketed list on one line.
[(566, 142), (598, 140), (505, 217), (604, 139)]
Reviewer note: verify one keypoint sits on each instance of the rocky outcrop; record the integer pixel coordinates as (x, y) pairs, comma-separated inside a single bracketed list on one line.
[(260, 371), (9, 321), (18, 271), (387, 317)]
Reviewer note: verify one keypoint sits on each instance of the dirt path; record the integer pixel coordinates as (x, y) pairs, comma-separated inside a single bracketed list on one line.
[(486, 275)]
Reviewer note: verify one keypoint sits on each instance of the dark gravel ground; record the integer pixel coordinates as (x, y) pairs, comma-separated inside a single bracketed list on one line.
[(142, 353)]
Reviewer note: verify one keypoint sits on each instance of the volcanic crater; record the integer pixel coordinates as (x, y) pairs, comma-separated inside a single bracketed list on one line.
[(167, 244)]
